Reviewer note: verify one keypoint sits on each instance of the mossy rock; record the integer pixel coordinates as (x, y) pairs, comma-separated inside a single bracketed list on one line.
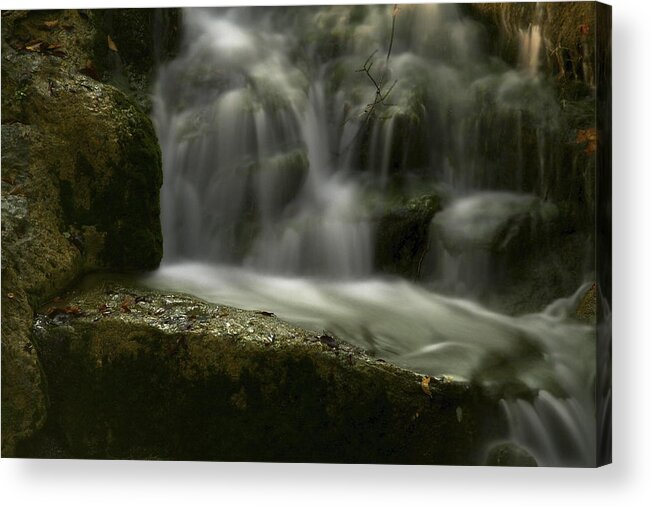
[(80, 191), (402, 237), (139, 374), (510, 455)]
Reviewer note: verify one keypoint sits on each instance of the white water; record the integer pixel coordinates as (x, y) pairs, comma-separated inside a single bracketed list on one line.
[(269, 162)]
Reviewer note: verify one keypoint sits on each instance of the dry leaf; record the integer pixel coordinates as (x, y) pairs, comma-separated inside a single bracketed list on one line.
[(55, 45), (11, 295), (35, 46), (589, 137), (104, 309), (584, 29), (68, 310), (49, 25), (111, 44), (125, 307), (424, 385)]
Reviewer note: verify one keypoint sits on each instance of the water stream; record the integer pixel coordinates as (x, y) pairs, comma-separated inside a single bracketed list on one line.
[(275, 172)]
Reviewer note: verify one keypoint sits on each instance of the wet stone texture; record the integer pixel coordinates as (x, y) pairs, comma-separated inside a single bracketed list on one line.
[(138, 374), (81, 171)]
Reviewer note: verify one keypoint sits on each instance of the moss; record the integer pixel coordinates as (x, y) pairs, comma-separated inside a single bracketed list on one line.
[(82, 170)]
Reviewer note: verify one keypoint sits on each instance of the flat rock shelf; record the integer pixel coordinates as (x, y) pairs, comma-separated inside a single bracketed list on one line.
[(140, 374)]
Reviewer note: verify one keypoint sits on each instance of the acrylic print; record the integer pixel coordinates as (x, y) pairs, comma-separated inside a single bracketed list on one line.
[(342, 234)]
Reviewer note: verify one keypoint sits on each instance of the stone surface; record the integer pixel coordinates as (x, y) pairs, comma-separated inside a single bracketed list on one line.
[(81, 172), (402, 235), (510, 455), (138, 374)]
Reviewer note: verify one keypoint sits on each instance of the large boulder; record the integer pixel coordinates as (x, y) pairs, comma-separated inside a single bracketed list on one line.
[(81, 171), (139, 374)]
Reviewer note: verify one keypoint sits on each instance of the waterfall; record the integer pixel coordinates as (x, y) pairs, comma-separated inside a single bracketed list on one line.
[(275, 173)]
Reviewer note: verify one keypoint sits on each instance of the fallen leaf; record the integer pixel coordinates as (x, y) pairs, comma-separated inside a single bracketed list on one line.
[(11, 295), (56, 45), (104, 309), (68, 310), (49, 25), (588, 137), (35, 46), (125, 307), (111, 44), (584, 29), (424, 385)]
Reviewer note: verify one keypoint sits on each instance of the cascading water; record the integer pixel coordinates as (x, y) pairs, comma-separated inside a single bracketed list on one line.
[(275, 175)]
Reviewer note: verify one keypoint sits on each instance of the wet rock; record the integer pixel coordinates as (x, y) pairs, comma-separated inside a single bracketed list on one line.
[(492, 221), (567, 32), (510, 455), (402, 237), (144, 384), (81, 172)]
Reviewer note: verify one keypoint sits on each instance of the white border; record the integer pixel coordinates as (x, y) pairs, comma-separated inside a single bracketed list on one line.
[(627, 482)]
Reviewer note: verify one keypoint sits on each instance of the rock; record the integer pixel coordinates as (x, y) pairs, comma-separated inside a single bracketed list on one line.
[(402, 237), (145, 375), (492, 221), (278, 179), (567, 33), (144, 38), (510, 455), (81, 174)]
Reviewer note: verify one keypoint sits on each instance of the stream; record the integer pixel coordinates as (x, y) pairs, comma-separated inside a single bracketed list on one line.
[(281, 149)]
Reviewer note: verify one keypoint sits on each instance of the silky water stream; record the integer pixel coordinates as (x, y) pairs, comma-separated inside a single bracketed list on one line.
[(275, 167)]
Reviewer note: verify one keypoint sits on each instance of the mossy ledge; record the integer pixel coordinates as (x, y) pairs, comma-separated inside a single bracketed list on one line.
[(81, 173), (139, 374)]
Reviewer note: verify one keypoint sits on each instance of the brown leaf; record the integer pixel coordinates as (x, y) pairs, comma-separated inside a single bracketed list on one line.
[(111, 44), (55, 45), (35, 46), (424, 385), (589, 137), (49, 25), (104, 309), (125, 307), (11, 295), (53, 311), (584, 29)]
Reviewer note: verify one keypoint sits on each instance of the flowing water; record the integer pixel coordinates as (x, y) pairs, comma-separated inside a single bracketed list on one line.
[(278, 157)]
